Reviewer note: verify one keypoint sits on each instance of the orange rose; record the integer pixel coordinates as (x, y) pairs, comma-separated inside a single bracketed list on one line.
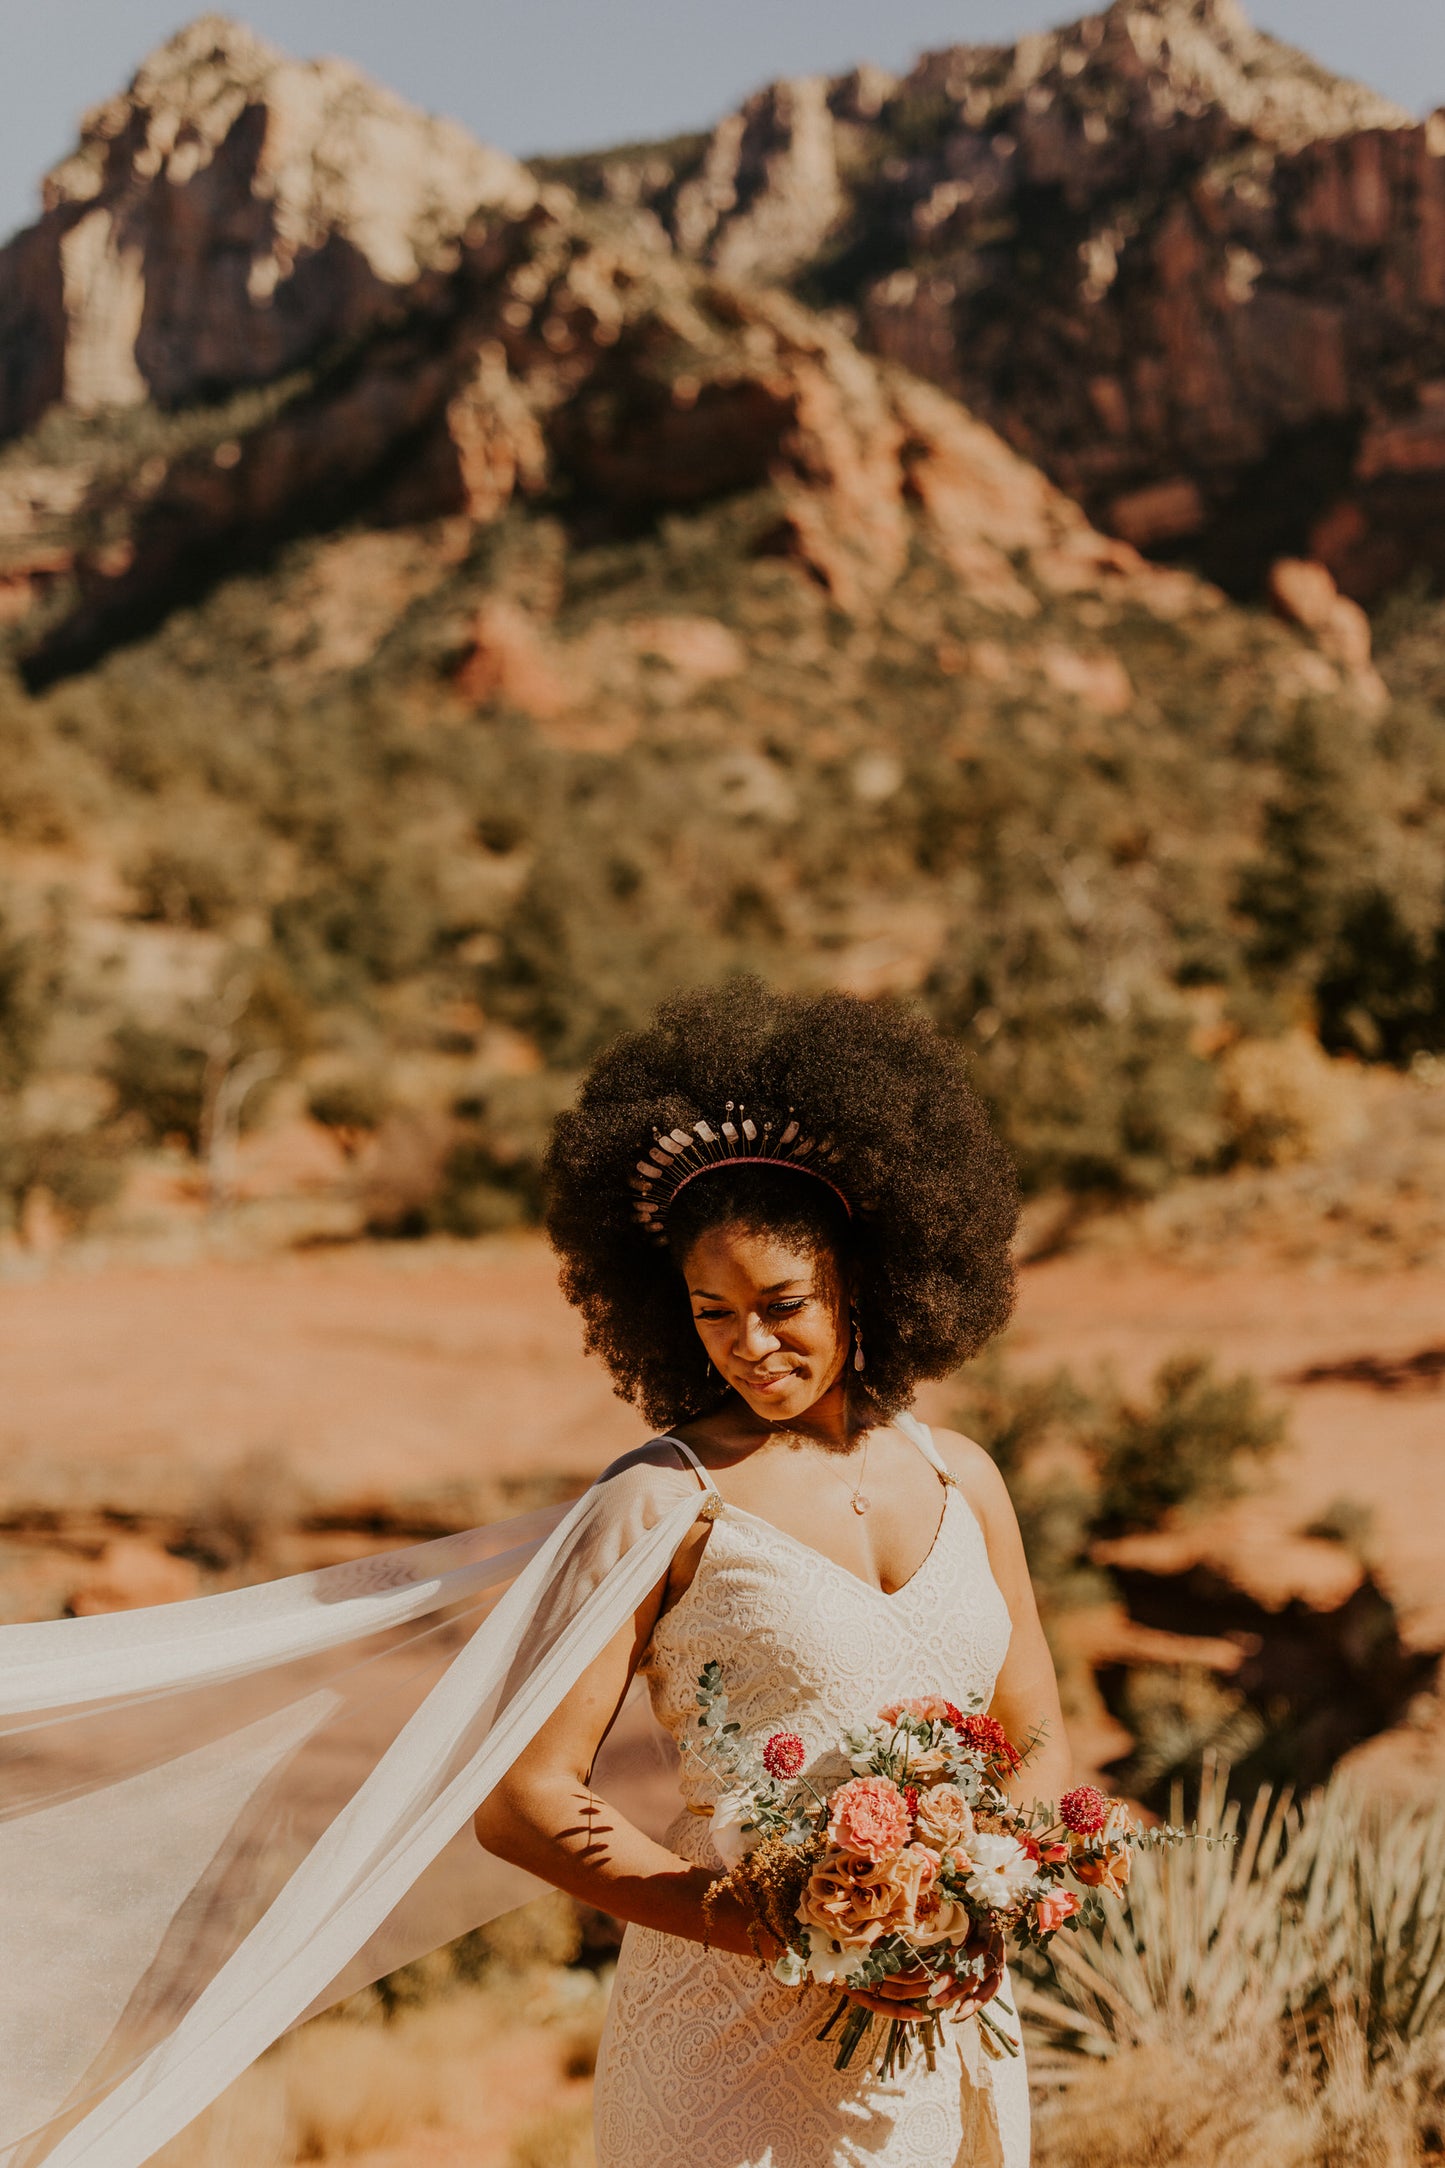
[(1053, 1910), (1108, 1870), (857, 1902), (944, 1818)]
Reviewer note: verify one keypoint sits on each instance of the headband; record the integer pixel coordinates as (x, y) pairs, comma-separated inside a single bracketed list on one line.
[(679, 1156)]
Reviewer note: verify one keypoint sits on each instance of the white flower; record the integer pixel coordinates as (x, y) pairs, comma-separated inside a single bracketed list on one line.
[(828, 1962), (732, 1830), (791, 1968), (1002, 1870)]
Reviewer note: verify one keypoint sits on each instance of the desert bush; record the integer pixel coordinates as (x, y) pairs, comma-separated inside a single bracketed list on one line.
[(1086, 1462), (492, 1177), (1350, 1522), (1185, 1446), (177, 885), (159, 1077), (80, 1170), (353, 1102), (547, 1931), (1380, 987), (31, 965), (1340, 904), (1284, 1100), (1181, 1716), (1237, 2107), (376, 922)]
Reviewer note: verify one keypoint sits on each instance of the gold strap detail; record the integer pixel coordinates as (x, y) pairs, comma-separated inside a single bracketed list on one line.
[(710, 1507)]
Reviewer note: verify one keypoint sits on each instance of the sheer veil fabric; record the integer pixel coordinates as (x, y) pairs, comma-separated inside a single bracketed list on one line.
[(218, 1817)]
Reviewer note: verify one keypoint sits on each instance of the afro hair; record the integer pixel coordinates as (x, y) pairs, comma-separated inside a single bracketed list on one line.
[(934, 1201)]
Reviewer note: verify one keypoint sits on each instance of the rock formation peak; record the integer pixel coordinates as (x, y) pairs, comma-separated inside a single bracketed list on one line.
[(224, 217)]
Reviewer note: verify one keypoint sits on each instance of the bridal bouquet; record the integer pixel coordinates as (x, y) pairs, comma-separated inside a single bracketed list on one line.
[(916, 1872)]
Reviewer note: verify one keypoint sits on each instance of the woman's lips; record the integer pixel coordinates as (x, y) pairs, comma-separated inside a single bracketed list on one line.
[(770, 1383)]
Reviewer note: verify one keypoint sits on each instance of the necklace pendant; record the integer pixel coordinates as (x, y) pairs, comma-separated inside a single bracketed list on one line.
[(860, 1503)]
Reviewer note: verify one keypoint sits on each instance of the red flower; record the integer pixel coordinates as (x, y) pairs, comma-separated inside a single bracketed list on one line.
[(910, 1794), (953, 1716), (1030, 1845), (1084, 1810), (986, 1735), (784, 1754)]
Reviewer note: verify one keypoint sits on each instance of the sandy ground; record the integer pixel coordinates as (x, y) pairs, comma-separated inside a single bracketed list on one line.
[(375, 1370)]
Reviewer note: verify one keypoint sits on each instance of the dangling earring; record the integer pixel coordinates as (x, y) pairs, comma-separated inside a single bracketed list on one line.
[(858, 1359)]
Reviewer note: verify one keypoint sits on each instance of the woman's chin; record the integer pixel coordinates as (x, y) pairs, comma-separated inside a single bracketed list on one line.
[(781, 1404)]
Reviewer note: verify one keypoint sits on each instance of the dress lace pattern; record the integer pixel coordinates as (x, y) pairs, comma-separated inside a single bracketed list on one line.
[(706, 2061)]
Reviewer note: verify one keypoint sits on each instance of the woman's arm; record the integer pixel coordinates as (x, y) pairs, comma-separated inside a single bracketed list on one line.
[(544, 1815), (1026, 1693)]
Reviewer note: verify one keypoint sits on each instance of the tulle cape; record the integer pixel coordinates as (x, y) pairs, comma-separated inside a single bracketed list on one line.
[(218, 1817)]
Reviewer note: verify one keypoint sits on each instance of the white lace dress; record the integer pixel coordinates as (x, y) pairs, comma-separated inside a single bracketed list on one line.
[(706, 2062)]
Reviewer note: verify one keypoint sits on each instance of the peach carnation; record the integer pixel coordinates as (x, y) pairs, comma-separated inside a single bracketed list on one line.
[(927, 1708), (868, 1818)]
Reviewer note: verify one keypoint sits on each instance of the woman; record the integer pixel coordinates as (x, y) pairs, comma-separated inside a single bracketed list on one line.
[(777, 1214)]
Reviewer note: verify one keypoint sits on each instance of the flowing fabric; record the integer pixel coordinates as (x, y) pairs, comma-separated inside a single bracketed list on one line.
[(217, 1817)]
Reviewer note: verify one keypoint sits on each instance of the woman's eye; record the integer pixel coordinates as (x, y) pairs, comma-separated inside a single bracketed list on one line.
[(787, 1308), (709, 1316)]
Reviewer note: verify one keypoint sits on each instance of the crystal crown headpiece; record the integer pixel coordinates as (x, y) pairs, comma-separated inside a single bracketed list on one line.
[(679, 1156)]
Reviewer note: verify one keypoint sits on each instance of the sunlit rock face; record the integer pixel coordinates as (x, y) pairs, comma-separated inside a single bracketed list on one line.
[(230, 214), (1194, 275)]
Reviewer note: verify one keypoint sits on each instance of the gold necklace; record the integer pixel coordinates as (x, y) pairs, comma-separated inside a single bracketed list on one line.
[(861, 1502)]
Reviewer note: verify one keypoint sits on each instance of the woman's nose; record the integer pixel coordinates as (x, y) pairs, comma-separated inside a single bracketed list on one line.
[(755, 1339)]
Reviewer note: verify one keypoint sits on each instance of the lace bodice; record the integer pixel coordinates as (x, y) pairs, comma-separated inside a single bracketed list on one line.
[(807, 1646), (707, 2062)]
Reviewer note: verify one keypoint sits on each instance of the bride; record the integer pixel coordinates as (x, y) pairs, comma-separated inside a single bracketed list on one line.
[(776, 1215)]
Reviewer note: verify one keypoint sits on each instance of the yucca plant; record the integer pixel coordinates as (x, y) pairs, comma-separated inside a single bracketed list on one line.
[(1295, 1919)]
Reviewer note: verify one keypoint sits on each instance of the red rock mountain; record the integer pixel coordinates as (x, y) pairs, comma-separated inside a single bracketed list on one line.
[(1198, 279), (445, 613), (422, 332)]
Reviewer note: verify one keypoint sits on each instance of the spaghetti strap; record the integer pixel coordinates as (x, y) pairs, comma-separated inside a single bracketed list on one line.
[(922, 1437), (689, 1456)]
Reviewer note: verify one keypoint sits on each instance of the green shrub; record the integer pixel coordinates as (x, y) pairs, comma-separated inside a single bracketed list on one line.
[(178, 886), (161, 1078), (1087, 1462), (1186, 1446), (25, 990)]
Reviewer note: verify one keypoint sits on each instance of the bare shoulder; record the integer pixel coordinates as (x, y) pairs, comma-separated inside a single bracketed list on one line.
[(977, 1476), (659, 1457)]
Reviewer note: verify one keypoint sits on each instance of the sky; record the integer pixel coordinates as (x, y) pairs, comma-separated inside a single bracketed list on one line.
[(552, 75)]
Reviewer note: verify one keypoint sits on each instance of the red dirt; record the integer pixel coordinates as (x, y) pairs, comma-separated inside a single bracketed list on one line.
[(374, 1370)]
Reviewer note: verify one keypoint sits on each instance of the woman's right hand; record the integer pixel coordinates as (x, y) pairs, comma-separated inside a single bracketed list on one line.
[(915, 1996)]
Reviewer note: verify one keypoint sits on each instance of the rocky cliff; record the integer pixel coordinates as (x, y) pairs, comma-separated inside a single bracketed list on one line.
[(349, 311), (226, 217), (1198, 279), (483, 616)]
